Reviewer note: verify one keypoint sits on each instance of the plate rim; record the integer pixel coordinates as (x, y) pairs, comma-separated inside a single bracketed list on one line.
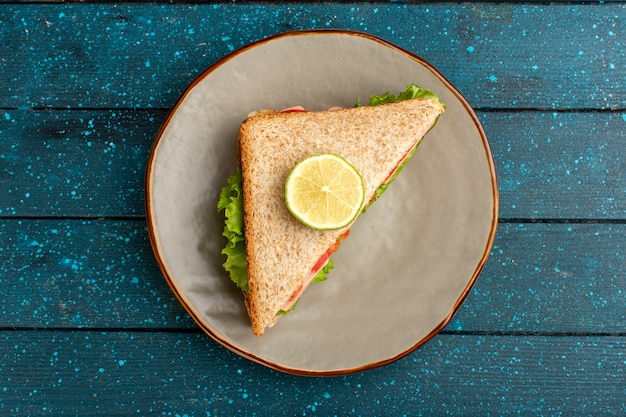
[(186, 304)]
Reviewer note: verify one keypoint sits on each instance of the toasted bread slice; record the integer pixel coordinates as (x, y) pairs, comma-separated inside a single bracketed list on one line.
[(281, 252)]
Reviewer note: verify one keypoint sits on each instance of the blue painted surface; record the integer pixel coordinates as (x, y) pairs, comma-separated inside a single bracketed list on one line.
[(134, 56), (88, 325), (89, 373), (76, 163)]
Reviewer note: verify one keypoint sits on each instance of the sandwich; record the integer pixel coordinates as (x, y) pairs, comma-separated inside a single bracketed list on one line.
[(271, 255)]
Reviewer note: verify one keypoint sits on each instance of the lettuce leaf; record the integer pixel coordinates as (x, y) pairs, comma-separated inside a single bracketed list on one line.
[(231, 203), (321, 275), (412, 91)]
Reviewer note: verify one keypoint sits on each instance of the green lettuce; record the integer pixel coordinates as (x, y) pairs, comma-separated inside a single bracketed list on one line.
[(231, 203), (322, 274), (412, 91)]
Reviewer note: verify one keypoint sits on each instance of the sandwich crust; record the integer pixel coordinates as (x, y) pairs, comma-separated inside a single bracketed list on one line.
[(281, 251)]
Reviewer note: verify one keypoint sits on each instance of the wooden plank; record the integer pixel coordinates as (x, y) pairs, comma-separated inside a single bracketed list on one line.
[(559, 165), (75, 163), (301, 1), (550, 278), (101, 274), (87, 274), (91, 163), (143, 55), (93, 373)]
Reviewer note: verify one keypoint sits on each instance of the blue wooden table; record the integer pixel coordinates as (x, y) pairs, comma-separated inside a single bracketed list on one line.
[(88, 325)]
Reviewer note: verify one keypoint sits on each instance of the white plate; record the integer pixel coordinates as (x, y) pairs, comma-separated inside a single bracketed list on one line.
[(408, 263)]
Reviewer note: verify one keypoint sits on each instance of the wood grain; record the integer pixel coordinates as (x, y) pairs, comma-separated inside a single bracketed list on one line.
[(83, 163), (122, 373), (88, 274), (143, 55), (559, 165), (550, 278), (101, 274)]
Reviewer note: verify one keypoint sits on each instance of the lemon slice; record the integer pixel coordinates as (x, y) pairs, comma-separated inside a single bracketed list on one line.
[(324, 192)]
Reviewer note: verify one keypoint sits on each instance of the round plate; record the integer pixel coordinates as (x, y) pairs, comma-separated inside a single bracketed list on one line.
[(409, 262)]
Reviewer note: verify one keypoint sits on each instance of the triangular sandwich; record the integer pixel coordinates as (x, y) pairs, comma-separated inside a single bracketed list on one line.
[(282, 256)]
